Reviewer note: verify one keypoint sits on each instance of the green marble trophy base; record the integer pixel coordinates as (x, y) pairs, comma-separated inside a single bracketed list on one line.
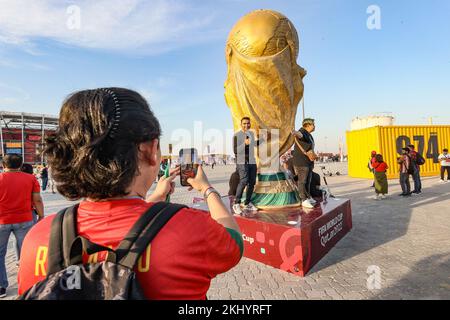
[(274, 191)]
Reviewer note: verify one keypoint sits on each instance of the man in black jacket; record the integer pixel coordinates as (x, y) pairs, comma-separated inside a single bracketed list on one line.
[(303, 166), (244, 144)]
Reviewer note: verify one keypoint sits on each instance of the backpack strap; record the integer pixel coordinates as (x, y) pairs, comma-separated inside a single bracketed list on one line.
[(56, 257), (144, 231), (125, 245), (66, 247), (80, 245)]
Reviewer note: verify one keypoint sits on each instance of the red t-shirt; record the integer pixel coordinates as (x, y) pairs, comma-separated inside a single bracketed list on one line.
[(189, 251), (380, 166), (16, 189), (373, 161)]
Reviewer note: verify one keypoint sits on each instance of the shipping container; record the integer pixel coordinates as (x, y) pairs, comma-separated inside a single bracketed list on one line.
[(389, 141)]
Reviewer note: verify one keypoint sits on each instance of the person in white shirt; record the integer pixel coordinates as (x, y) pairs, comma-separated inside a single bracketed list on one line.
[(444, 158)]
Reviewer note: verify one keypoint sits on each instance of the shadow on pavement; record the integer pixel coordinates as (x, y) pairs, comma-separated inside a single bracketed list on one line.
[(376, 223), (428, 279)]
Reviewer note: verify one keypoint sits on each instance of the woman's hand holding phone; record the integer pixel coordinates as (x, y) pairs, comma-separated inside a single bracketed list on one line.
[(217, 208), (165, 186), (200, 182)]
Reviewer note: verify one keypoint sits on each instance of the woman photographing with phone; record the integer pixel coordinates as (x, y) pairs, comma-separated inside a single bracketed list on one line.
[(106, 152)]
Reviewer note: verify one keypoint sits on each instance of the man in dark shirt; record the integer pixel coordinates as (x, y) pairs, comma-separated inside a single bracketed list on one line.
[(416, 175), (303, 166), (44, 177), (244, 144)]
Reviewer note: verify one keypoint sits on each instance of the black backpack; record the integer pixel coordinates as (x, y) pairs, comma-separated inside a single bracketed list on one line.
[(420, 160), (113, 279), (315, 185)]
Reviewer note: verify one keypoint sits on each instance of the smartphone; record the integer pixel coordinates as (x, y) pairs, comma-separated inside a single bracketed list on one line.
[(188, 165)]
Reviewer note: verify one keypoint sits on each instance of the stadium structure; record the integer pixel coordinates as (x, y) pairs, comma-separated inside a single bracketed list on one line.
[(24, 134)]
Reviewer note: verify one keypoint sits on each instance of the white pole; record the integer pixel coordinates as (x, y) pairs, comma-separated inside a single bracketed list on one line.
[(303, 107), (1, 136), (42, 141), (23, 138)]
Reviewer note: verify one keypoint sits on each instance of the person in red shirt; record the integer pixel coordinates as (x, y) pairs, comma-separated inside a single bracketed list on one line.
[(106, 152), (28, 168), (19, 192), (381, 183)]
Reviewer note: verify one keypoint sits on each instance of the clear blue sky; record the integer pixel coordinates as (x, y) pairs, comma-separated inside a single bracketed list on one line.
[(173, 52)]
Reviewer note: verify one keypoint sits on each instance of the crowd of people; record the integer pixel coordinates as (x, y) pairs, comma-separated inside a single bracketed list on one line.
[(298, 164), (409, 164), (106, 154)]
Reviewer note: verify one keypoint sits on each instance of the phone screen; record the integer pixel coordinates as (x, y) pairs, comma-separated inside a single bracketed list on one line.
[(188, 165)]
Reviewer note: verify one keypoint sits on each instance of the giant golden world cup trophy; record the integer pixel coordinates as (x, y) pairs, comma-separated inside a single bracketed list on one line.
[(264, 83)]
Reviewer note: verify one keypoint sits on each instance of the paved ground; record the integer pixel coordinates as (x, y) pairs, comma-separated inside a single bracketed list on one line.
[(398, 249)]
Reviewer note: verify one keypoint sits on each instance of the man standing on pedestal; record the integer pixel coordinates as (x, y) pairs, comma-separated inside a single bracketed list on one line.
[(304, 161), (244, 144)]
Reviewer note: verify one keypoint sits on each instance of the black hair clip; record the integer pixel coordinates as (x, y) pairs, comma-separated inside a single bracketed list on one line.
[(116, 118)]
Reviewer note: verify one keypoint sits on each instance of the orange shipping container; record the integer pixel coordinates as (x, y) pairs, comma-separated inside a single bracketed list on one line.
[(389, 141)]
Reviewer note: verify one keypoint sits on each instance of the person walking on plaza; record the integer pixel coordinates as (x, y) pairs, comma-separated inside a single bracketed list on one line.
[(19, 193), (303, 161), (44, 177), (28, 168), (244, 144), (416, 160), (444, 159), (381, 183), (370, 166), (405, 170), (51, 182)]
